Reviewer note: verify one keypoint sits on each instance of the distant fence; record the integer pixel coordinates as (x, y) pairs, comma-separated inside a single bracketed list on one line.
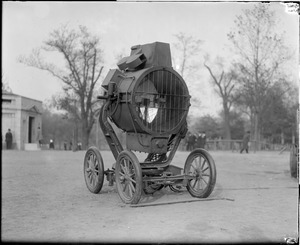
[(236, 145), (227, 145), (211, 145)]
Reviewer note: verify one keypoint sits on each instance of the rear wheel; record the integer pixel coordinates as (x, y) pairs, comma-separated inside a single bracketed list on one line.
[(128, 177), (201, 167), (93, 170)]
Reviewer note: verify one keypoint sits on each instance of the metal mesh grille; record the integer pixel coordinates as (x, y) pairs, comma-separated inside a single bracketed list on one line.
[(161, 100)]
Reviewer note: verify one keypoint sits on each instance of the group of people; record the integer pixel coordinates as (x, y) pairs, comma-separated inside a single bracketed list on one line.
[(199, 141), (9, 138), (79, 146), (39, 140), (195, 141), (192, 141)]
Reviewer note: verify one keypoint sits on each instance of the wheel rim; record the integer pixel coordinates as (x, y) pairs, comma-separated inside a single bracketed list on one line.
[(199, 169), (128, 178), (92, 171)]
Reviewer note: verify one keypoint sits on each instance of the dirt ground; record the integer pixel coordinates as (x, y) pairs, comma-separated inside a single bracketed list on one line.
[(44, 198)]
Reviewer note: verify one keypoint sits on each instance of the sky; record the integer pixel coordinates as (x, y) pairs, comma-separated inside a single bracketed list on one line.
[(120, 25)]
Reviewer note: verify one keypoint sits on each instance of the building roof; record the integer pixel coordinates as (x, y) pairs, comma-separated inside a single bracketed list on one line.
[(16, 95), (33, 109)]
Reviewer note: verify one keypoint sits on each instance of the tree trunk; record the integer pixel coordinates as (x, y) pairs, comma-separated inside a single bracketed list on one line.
[(75, 136), (85, 136), (227, 127), (282, 137), (256, 132)]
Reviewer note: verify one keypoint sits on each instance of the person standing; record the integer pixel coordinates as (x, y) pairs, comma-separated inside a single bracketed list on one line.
[(79, 146), (203, 139), (199, 141), (8, 139), (192, 141), (39, 137), (188, 141), (246, 140), (51, 145)]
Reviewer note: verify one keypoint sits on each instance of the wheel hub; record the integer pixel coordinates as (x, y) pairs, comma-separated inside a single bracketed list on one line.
[(93, 169), (198, 174), (125, 178)]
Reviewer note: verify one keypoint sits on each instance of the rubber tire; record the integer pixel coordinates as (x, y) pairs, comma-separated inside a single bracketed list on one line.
[(213, 173), (96, 188), (134, 199)]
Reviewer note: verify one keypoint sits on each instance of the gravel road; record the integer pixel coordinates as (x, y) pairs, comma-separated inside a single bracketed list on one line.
[(44, 199)]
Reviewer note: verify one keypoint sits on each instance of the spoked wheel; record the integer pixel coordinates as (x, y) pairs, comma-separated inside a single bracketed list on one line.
[(93, 170), (201, 166), (128, 177)]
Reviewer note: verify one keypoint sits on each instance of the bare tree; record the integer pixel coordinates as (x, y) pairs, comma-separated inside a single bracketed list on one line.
[(5, 84), (261, 53), (187, 48), (225, 85), (185, 58), (83, 67)]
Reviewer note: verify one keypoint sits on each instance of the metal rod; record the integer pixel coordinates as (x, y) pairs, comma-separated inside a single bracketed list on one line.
[(182, 201), (172, 177)]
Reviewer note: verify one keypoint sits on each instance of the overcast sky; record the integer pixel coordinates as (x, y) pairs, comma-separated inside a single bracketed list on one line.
[(120, 25)]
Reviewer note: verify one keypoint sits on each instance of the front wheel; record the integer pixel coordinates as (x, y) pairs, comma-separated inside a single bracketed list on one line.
[(93, 170), (128, 177), (201, 167)]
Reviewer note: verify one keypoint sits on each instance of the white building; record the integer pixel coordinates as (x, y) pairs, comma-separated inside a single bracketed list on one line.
[(23, 116)]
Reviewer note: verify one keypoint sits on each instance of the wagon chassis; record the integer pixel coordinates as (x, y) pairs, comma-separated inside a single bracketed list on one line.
[(148, 168), (155, 174), (148, 100)]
